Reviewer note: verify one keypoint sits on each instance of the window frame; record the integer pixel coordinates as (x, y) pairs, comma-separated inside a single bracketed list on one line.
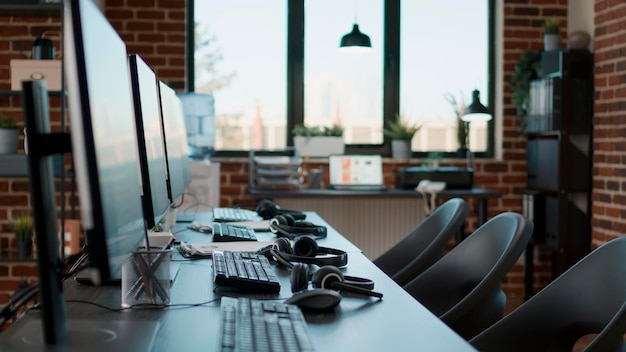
[(391, 79)]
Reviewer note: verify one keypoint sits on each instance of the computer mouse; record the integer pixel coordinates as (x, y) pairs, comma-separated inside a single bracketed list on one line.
[(317, 299)]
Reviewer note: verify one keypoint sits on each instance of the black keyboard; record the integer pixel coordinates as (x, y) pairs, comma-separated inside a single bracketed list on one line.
[(248, 271), (234, 215), (231, 233), (253, 325)]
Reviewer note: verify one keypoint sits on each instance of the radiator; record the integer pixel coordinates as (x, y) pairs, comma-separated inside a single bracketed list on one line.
[(372, 224)]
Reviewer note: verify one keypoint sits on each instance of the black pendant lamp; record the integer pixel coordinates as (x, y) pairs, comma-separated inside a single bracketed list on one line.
[(355, 41), (476, 111)]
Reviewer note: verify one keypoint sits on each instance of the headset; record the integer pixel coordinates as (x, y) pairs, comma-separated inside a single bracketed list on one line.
[(330, 277), (286, 226), (268, 209), (304, 250)]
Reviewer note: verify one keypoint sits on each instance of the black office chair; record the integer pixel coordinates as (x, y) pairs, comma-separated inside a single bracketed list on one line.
[(589, 298), (425, 244), (464, 287)]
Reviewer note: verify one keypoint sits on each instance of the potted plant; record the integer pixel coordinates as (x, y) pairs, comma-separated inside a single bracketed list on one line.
[(8, 135), (526, 69), (401, 133), (23, 229), (318, 141), (551, 34)]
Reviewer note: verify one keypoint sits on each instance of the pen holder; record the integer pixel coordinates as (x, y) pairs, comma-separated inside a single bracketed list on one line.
[(146, 278)]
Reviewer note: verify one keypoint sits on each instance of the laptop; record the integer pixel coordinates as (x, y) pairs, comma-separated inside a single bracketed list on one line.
[(356, 172)]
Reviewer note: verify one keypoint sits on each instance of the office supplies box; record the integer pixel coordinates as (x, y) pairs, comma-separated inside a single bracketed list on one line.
[(22, 70), (454, 177)]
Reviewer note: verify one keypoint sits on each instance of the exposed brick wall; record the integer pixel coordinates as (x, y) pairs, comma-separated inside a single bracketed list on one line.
[(154, 29), (609, 185)]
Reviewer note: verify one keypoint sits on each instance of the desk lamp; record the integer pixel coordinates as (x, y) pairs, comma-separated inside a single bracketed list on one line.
[(475, 112)]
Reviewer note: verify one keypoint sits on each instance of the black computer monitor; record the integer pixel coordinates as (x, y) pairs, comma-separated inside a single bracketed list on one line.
[(175, 135), (155, 198), (104, 151), (104, 138)]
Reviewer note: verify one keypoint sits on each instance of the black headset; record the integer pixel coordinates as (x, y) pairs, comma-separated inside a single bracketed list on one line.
[(286, 226), (304, 250), (330, 277), (267, 210)]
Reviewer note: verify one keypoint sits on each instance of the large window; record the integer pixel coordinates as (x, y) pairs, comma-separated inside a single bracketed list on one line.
[(241, 58), (273, 64), (344, 88)]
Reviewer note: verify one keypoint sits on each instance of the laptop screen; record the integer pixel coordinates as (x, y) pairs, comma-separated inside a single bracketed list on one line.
[(354, 171)]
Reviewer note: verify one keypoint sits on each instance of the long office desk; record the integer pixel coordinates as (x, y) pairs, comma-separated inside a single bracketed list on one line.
[(397, 322)]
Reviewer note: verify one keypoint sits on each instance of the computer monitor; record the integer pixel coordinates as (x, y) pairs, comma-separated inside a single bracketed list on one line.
[(155, 198), (175, 135), (104, 138)]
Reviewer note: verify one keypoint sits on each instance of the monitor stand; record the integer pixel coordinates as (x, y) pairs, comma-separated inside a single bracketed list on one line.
[(83, 335)]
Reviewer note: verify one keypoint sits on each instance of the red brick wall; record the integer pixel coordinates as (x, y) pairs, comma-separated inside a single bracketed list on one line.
[(609, 185)]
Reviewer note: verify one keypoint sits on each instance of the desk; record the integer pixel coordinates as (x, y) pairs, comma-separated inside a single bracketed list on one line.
[(397, 322), (373, 220), (480, 194)]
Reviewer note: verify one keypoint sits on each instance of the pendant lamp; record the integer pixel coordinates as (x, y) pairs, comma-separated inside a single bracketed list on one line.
[(355, 41), (476, 111)]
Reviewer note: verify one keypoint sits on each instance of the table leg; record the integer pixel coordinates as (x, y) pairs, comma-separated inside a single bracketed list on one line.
[(482, 211)]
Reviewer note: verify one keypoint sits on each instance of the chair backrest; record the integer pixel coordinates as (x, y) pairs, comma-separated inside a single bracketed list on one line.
[(589, 298), (464, 287), (425, 244)]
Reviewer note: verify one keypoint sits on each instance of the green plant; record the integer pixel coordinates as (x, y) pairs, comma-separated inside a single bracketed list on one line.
[(551, 26), (23, 228), (7, 122), (462, 127), (526, 69), (316, 131), (401, 129)]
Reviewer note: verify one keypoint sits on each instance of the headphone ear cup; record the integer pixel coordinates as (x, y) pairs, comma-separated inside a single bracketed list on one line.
[(266, 209), (289, 219), (299, 277), (282, 245), (325, 276), (305, 246)]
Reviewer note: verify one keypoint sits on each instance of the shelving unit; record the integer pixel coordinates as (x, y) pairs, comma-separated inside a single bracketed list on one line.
[(559, 132)]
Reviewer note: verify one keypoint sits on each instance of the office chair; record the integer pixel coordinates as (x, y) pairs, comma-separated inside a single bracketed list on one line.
[(464, 287), (589, 298), (425, 244)]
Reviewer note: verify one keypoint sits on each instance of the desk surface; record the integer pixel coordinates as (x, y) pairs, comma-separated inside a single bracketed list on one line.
[(397, 322)]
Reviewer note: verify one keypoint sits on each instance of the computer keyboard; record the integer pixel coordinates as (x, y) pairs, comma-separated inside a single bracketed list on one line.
[(248, 271), (234, 215), (254, 325), (230, 233)]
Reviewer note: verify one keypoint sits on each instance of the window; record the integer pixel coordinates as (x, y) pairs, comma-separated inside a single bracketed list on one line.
[(240, 57), (344, 88), (273, 64)]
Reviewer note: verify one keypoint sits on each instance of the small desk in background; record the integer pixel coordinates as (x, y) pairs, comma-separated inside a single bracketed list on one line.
[(373, 220)]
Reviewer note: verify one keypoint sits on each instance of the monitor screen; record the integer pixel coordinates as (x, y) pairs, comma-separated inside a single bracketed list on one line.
[(155, 198), (104, 138), (175, 134)]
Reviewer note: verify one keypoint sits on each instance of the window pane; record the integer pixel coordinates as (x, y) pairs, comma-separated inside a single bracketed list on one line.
[(339, 87), (241, 58), (444, 57)]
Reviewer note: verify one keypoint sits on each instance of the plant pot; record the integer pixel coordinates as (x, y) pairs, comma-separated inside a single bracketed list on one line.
[(321, 146), (8, 141), (401, 149), (24, 249), (551, 42)]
